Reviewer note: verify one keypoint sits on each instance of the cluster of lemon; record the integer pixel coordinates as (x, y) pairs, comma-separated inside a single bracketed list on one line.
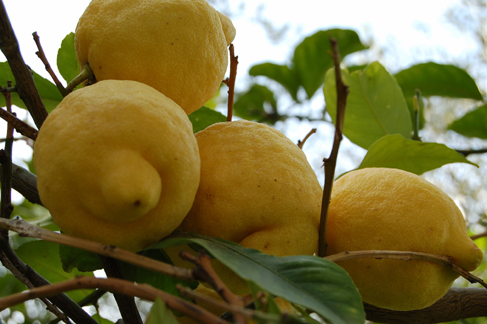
[(118, 163)]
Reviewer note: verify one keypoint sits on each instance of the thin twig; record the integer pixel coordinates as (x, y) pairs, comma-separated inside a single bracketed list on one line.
[(406, 256), (19, 125), (474, 237), (23, 228), (469, 152), (330, 163), (42, 56), (113, 285), (301, 143), (203, 271), (230, 82), (24, 80)]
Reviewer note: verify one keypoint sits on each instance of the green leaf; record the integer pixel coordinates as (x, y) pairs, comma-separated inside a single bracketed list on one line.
[(472, 124), (155, 279), (304, 280), (67, 63), (205, 117), (434, 79), (393, 151), (73, 258), (43, 257), (10, 285), (49, 93), (279, 73), (375, 105), (258, 104), (312, 58), (159, 314)]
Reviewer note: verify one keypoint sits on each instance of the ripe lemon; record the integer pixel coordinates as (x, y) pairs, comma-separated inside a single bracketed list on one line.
[(179, 47), (390, 209), (117, 163), (257, 189)]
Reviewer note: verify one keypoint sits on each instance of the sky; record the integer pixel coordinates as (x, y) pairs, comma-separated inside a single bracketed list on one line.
[(417, 31)]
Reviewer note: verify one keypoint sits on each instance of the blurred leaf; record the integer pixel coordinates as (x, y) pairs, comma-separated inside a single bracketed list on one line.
[(258, 104), (73, 258), (393, 151), (155, 279), (48, 91), (472, 124), (312, 58), (67, 63), (205, 117), (305, 280), (43, 257), (159, 314), (375, 105), (100, 319), (279, 73), (10, 285), (434, 79)]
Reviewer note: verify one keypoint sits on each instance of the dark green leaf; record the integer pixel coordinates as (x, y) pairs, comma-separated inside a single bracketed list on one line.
[(159, 314), (258, 104), (472, 124), (434, 79), (43, 257), (375, 105), (312, 58), (73, 258), (205, 117), (304, 280), (393, 151), (279, 73), (67, 63)]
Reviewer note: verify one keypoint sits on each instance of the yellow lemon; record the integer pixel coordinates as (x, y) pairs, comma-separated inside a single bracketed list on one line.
[(390, 209), (117, 163), (179, 47), (257, 189)]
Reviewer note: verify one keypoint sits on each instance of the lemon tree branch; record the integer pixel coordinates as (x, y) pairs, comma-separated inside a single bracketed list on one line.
[(230, 82), (406, 256), (19, 125), (42, 56), (457, 304), (330, 163), (25, 85), (23, 228), (113, 285)]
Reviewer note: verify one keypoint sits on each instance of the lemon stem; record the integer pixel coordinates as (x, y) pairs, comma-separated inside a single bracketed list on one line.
[(85, 74), (230, 82), (330, 163)]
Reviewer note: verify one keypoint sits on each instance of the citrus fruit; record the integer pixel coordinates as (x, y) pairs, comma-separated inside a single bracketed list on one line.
[(391, 209), (179, 47), (257, 189), (117, 163)]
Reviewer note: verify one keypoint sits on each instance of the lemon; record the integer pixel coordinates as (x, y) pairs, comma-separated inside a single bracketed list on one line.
[(256, 189), (179, 47), (117, 163), (390, 209)]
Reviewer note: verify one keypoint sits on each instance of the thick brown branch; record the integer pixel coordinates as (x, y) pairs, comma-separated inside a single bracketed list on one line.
[(25, 183), (330, 163), (458, 303), (24, 81)]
